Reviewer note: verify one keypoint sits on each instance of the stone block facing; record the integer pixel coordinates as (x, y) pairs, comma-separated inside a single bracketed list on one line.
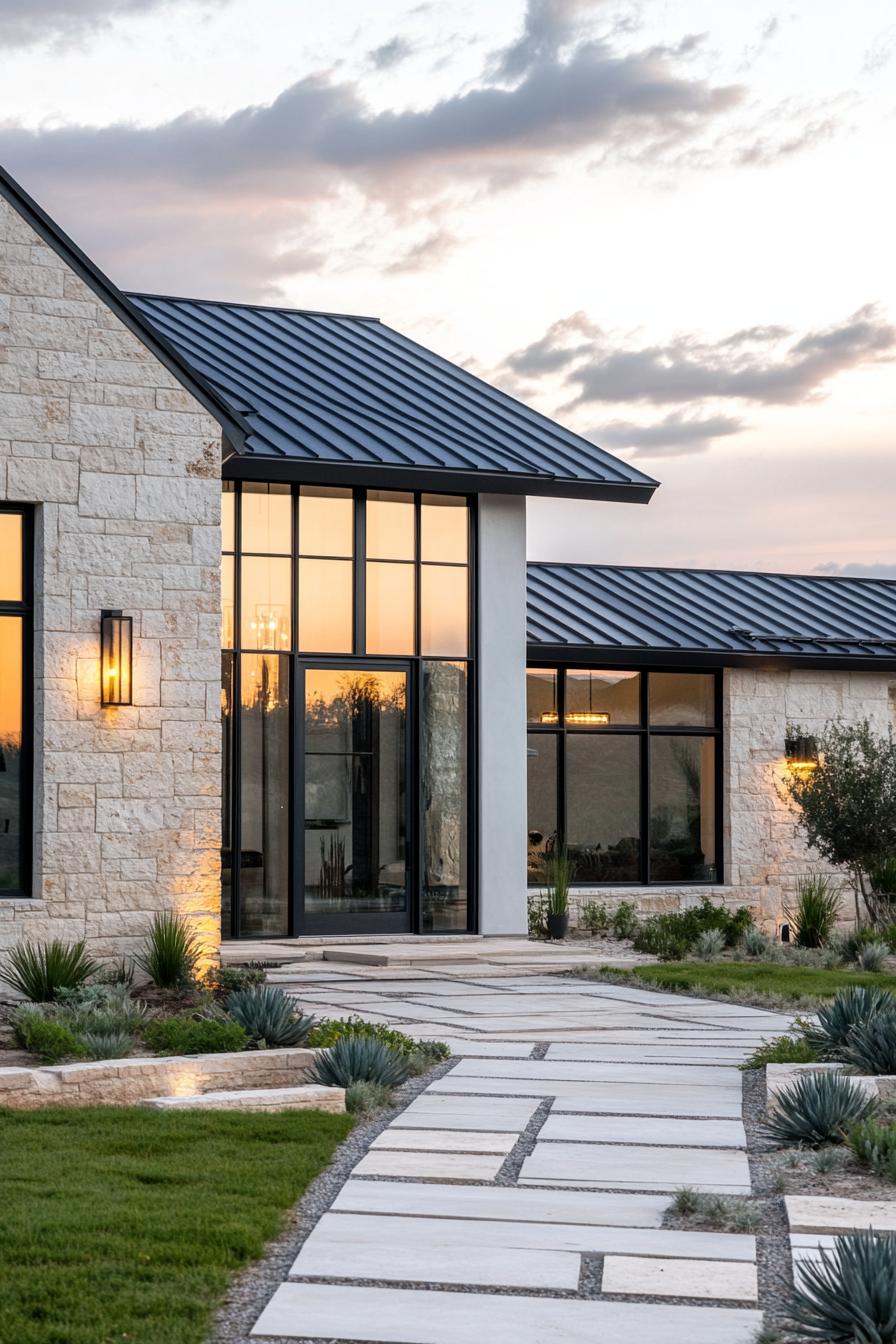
[(123, 466), (306, 1097)]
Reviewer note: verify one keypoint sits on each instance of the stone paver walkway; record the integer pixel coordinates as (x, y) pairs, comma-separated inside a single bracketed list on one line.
[(520, 1197)]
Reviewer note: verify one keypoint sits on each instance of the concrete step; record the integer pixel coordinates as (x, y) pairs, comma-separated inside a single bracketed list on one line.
[(309, 1097)]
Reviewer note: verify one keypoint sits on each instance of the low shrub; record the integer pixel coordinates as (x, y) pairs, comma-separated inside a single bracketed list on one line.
[(817, 909), (850, 1294), (781, 1050), (818, 1108), (171, 953), (107, 1044), (421, 1055), (52, 1041), (231, 979), (871, 957), (837, 1020), (670, 937), (41, 970), (871, 1045), (270, 1017), (874, 1144), (624, 922), (725, 1212), (537, 914), (850, 944), (710, 945), (367, 1098), (757, 944), (194, 1034), (103, 1008), (360, 1059), (595, 917)]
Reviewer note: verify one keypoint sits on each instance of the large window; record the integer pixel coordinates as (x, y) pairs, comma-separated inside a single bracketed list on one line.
[(346, 635), (15, 717), (624, 766)]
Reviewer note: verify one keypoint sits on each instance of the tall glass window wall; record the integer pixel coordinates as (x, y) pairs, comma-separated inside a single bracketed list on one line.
[(347, 692), (15, 716), (624, 766)]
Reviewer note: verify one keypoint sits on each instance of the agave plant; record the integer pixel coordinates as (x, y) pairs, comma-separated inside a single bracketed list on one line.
[(269, 1016), (171, 953), (359, 1059), (818, 1108), (850, 1295), (871, 1045), (837, 1019), (41, 970)]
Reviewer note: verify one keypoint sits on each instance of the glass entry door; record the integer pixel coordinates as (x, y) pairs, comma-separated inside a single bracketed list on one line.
[(353, 857)]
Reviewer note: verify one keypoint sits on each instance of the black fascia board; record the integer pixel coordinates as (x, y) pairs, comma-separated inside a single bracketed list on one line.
[(246, 467), (233, 426), (583, 655)]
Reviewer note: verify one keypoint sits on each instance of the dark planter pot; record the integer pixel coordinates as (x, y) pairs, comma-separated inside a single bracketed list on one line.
[(558, 925)]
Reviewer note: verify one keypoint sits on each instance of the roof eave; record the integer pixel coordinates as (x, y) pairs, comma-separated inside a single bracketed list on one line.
[(613, 656), (246, 467)]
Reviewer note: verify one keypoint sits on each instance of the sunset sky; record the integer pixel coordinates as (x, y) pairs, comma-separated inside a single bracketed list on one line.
[(669, 225)]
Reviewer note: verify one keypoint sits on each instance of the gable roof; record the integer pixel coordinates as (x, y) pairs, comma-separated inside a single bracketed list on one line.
[(114, 299), (318, 390), (709, 615)]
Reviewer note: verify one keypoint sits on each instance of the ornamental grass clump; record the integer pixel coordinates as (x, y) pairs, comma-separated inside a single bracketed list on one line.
[(871, 956), (849, 1296), (270, 1017), (817, 908), (710, 945), (360, 1059), (40, 970), (871, 1045), (818, 1108), (837, 1020), (171, 953)]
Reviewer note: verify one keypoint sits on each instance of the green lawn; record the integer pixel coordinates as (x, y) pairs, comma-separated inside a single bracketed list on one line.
[(727, 977), (126, 1224)]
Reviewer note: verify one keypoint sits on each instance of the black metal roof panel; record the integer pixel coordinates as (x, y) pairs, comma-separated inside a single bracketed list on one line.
[(326, 389), (709, 611)]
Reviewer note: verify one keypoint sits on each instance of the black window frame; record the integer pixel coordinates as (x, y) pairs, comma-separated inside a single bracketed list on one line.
[(24, 609), (414, 663), (645, 731)]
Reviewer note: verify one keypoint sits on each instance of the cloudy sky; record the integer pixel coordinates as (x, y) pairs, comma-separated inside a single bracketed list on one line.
[(670, 225)]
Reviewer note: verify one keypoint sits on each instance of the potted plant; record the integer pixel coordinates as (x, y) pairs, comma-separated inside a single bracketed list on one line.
[(559, 870)]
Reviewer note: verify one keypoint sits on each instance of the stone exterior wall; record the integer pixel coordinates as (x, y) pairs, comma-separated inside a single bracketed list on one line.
[(764, 854), (124, 467)]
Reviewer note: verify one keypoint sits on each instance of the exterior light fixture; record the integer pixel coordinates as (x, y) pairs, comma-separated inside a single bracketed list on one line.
[(801, 752), (116, 658), (580, 718)]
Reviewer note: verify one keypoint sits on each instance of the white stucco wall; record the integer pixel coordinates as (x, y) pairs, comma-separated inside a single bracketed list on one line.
[(502, 714), (123, 466), (764, 853)]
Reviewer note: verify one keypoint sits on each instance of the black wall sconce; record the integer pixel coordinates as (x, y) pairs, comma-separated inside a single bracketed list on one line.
[(116, 658), (801, 752)]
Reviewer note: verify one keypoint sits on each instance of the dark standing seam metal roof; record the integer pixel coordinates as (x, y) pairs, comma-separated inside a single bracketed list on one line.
[(708, 611), (322, 390)]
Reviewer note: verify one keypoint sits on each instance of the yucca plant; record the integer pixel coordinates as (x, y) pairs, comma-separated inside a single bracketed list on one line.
[(171, 953), (817, 909), (710, 945), (41, 970), (837, 1019), (818, 1108), (874, 1145), (269, 1016), (358, 1059), (849, 1297), (871, 1045)]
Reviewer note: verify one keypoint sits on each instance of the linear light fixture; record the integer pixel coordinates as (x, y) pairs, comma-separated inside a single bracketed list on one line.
[(116, 658)]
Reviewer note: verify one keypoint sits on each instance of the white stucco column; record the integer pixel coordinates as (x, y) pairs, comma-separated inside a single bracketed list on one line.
[(502, 714)]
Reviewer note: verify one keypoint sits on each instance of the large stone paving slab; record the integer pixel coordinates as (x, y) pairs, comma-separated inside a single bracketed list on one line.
[(830, 1214), (624, 1274), (431, 1166), (443, 1141), (721, 1078), (498, 1114), (616, 1167), (612, 1098), (413, 1316), (643, 1129), (503, 1203)]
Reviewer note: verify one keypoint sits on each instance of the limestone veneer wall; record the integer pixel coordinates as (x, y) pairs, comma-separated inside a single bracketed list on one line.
[(124, 466), (764, 852)]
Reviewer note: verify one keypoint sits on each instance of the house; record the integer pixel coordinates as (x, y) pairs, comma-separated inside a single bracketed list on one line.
[(264, 640)]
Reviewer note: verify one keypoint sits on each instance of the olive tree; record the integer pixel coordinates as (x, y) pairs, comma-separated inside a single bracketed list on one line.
[(846, 805)]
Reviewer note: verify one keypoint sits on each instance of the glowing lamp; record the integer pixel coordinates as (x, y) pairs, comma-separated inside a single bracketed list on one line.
[(579, 718), (801, 752), (116, 658)]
